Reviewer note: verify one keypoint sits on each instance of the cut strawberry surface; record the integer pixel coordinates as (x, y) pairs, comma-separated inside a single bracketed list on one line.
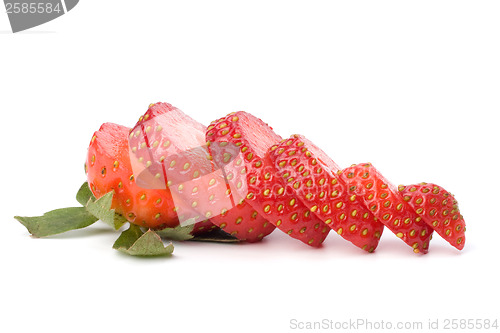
[(162, 136), (170, 151), (439, 209), (266, 189), (385, 202), (312, 176)]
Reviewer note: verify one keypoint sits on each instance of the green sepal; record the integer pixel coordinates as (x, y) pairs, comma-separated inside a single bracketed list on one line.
[(135, 242), (65, 219), (57, 221), (84, 194), (183, 233), (101, 208), (178, 233)]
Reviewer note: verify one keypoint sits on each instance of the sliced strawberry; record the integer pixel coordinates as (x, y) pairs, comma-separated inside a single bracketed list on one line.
[(385, 202), (312, 176), (267, 192), (439, 209), (171, 152)]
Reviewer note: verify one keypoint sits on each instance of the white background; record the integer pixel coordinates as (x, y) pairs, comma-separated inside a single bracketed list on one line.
[(412, 87)]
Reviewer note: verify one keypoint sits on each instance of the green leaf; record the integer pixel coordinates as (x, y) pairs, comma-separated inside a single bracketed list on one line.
[(137, 243), (57, 221), (84, 194), (119, 221), (128, 237), (184, 233), (66, 219), (178, 233), (101, 208)]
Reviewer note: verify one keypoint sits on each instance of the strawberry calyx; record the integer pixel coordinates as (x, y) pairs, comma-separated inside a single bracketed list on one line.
[(135, 240), (65, 219)]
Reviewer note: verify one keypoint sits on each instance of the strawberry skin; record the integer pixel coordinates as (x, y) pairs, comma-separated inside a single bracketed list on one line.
[(267, 191), (385, 202), (439, 209), (312, 176), (108, 169), (358, 201), (171, 151)]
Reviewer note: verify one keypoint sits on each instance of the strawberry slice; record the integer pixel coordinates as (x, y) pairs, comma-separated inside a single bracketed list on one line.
[(312, 176), (267, 191), (170, 152), (439, 209), (156, 141), (386, 203)]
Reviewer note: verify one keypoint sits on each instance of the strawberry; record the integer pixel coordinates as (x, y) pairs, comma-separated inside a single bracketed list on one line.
[(170, 151), (108, 169), (267, 191), (312, 176), (387, 204), (245, 179), (439, 209)]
